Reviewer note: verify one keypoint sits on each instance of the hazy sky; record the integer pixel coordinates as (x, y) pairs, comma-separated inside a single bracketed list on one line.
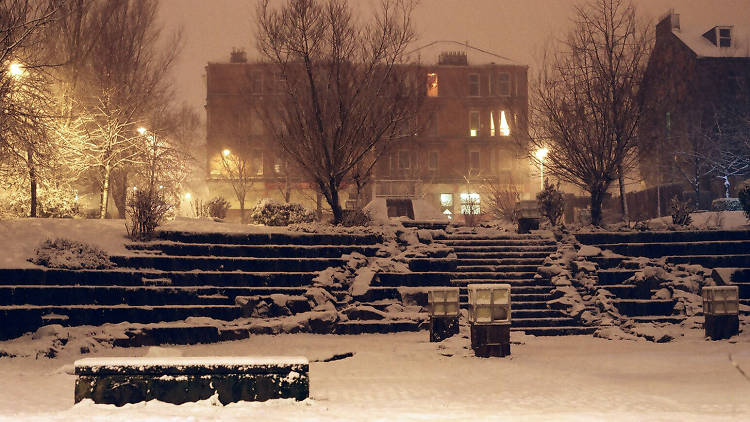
[(516, 29)]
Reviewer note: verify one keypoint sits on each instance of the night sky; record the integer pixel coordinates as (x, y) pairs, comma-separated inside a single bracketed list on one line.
[(517, 29)]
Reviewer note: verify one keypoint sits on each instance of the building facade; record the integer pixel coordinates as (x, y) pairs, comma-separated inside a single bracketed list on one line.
[(696, 94), (470, 134)]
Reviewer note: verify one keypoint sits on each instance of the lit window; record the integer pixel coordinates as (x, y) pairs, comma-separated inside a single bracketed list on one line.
[(446, 200), (474, 160), (473, 123), (432, 85), (473, 84), (492, 124), (403, 160), (504, 128), (449, 214), (502, 87), (432, 160), (470, 203)]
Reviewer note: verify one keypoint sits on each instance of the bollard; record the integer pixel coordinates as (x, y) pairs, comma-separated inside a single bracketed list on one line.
[(721, 311), (444, 311), (489, 316)]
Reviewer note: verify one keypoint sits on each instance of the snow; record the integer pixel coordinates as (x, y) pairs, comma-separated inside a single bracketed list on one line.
[(423, 211), (404, 377), (154, 362), (709, 220)]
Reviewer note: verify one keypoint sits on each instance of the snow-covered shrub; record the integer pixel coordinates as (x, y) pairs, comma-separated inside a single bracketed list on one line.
[(53, 201), (680, 211), (744, 198), (273, 213), (200, 208), (144, 213), (218, 206), (70, 254), (353, 218), (726, 204), (551, 203)]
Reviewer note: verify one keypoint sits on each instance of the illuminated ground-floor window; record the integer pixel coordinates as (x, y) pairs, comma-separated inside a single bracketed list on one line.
[(470, 203)]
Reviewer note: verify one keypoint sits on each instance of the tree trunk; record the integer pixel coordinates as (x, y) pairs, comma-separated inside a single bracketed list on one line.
[(105, 194), (623, 198), (318, 206), (32, 183), (332, 197), (119, 188), (597, 196), (242, 211)]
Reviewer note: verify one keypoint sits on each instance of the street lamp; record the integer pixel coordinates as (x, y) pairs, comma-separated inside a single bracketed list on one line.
[(16, 69), (226, 152), (540, 154)]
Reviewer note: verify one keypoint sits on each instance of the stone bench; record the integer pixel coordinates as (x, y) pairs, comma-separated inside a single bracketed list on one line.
[(179, 380)]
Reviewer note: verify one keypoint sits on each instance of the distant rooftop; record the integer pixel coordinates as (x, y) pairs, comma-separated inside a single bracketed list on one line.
[(456, 53), (726, 38)]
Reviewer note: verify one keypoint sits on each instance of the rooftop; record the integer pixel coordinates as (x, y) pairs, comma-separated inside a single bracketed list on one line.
[(701, 34), (445, 52)]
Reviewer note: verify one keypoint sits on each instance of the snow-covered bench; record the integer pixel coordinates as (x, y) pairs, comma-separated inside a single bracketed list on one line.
[(179, 380)]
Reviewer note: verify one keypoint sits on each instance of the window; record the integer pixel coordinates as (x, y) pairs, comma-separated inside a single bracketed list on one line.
[(474, 160), (470, 203), (279, 82), (725, 37), (258, 162), (504, 128), (446, 204), (502, 88), (403, 160), (473, 85), (473, 123), (432, 160), (492, 124), (432, 85)]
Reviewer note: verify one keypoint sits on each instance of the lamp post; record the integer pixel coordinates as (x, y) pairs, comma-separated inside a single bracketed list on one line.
[(540, 154), (17, 71)]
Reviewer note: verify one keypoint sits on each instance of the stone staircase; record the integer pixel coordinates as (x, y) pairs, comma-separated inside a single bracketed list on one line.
[(499, 258), (180, 275), (726, 252)]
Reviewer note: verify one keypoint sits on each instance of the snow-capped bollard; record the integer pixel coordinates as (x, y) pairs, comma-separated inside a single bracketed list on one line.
[(721, 311), (444, 311), (489, 316), (180, 380)]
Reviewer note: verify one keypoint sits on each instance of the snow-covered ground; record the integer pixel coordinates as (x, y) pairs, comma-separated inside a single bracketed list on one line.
[(19, 237), (404, 377)]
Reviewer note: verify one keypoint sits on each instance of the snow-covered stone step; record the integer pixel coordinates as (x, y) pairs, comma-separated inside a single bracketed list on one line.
[(713, 261), (177, 380), (375, 327), (515, 249), (629, 291), (258, 251), (471, 272), (536, 262), (188, 263), (660, 249), (614, 276), (515, 283), (664, 319), (519, 305), (533, 313), (662, 236), (642, 307), (413, 279), (607, 262), (504, 255), (498, 236), (287, 238), (516, 291), (499, 242), (463, 266), (541, 322), (432, 264), (557, 331), (132, 277), (17, 320)]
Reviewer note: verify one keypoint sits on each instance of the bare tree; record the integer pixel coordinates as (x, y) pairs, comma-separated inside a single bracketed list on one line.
[(116, 73), (345, 93), (586, 100), (240, 172), (25, 136)]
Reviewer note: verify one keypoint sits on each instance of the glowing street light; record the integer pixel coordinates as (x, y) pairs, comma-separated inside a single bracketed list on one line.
[(540, 154), (16, 69), (188, 196), (226, 152), (142, 130)]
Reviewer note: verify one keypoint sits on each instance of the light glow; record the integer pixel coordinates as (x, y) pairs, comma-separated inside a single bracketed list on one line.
[(492, 124), (16, 69), (541, 153), (504, 128), (188, 196), (142, 130), (226, 152)]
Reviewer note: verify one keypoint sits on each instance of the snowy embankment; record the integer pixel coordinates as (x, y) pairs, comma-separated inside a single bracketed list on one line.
[(20, 237), (404, 377)]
